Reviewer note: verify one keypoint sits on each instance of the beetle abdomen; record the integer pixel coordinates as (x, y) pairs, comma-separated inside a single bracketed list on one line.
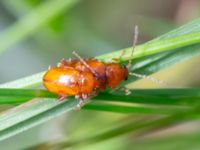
[(68, 81)]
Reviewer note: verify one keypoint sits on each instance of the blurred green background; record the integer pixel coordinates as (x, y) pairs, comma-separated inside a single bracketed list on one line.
[(91, 27)]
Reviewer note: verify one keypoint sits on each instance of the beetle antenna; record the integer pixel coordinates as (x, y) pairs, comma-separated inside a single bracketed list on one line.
[(135, 39), (161, 82), (84, 63)]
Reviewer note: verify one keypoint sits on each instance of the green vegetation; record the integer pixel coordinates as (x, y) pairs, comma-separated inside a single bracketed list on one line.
[(144, 110)]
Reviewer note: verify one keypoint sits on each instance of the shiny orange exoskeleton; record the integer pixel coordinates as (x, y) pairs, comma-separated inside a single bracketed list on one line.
[(83, 79)]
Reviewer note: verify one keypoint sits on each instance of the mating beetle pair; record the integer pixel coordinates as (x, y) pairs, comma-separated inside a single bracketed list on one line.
[(85, 78)]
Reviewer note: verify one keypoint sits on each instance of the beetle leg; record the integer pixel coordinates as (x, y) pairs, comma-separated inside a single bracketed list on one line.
[(62, 97), (83, 100), (125, 90), (61, 63), (79, 105)]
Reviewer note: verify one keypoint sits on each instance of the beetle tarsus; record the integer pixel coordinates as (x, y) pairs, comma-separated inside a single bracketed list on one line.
[(62, 97), (125, 90), (80, 104)]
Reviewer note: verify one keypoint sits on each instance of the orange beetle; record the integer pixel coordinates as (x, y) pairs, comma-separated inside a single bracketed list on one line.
[(83, 79), (68, 82)]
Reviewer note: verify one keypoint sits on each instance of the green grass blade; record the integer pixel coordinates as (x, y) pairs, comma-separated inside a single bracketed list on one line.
[(31, 114), (192, 26), (151, 101), (39, 113), (169, 58), (120, 108), (132, 126), (180, 97), (34, 20), (30, 81), (156, 46)]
